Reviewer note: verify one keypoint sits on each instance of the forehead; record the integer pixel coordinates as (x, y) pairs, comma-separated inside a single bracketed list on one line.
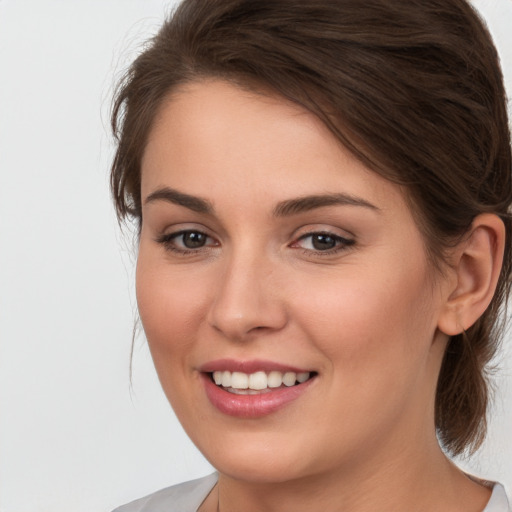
[(212, 138)]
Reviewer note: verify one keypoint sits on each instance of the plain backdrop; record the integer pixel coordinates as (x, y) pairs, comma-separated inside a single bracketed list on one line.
[(74, 434)]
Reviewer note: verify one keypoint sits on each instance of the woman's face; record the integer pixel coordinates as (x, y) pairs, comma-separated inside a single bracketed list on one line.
[(271, 258)]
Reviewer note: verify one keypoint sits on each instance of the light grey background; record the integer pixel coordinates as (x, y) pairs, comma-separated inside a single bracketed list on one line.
[(73, 435)]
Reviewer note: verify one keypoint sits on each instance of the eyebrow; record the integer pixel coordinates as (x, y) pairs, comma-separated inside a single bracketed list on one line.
[(307, 203), (285, 208), (171, 195)]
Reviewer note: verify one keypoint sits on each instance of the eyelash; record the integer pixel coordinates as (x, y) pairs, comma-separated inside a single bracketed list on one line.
[(168, 241), (342, 244)]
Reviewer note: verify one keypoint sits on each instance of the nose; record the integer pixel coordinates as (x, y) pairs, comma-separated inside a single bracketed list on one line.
[(247, 299)]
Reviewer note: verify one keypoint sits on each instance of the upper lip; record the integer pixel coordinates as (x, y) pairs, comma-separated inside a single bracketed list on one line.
[(252, 366)]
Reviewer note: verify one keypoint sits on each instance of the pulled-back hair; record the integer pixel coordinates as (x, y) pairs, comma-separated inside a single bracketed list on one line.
[(412, 87)]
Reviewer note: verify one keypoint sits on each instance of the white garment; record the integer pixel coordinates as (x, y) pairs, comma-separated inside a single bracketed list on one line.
[(188, 496), (185, 497)]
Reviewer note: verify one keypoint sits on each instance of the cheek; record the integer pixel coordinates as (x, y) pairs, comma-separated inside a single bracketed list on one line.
[(375, 335), (170, 304), (370, 322)]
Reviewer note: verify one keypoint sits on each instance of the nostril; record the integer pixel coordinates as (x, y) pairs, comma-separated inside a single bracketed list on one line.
[(244, 306)]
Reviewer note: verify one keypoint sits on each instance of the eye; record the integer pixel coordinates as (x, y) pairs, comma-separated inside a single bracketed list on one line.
[(186, 241), (192, 239), (323, 242)]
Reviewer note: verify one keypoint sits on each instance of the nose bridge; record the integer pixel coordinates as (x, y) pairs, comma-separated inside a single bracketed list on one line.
[(247, 298)]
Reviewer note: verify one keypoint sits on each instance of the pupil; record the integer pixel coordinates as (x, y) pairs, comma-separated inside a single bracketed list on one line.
[(323, 242), (193, 240)]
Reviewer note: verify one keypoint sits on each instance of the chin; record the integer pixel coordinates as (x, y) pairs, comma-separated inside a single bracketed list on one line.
[(262, 458), (259, 470)]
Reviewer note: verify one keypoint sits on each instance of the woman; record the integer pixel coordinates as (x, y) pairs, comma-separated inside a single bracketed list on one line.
[(322, 191)]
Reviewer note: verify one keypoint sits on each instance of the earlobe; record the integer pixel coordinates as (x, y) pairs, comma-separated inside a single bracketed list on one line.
[(477, 266)]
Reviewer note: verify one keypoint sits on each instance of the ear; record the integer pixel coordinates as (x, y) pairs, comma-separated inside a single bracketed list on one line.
[(477, 265)]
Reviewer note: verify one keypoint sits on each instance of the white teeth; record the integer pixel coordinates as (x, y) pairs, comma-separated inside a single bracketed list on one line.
[(247, 391), (274, 379), (226, 379), (239, 380), (289, 378), (258, 381), (302, 377)]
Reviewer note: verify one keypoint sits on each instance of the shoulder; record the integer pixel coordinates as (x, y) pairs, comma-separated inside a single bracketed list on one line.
[(185, 497), (498, 501)]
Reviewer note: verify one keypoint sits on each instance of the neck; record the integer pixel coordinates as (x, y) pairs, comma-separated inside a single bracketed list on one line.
[(425, 481), (401, 468)]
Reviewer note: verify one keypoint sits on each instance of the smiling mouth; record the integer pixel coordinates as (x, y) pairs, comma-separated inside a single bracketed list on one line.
[(259, 382)]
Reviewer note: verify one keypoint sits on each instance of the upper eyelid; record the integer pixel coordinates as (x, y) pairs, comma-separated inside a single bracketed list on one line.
[(184, 227), (170, 243), (298, 234), (325, 232), (168, 240), (181, 232), (339, 238), (323, 229)]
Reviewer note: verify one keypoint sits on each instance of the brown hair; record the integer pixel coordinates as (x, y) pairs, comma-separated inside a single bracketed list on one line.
[(412, 87)]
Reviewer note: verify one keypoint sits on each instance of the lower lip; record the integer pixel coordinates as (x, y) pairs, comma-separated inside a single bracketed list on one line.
[(252, 406)]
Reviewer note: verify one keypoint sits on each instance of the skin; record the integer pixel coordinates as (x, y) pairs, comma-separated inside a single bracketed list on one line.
[(366, 318)]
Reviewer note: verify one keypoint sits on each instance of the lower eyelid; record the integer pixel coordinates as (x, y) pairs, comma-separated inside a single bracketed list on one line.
[(169, 238)]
